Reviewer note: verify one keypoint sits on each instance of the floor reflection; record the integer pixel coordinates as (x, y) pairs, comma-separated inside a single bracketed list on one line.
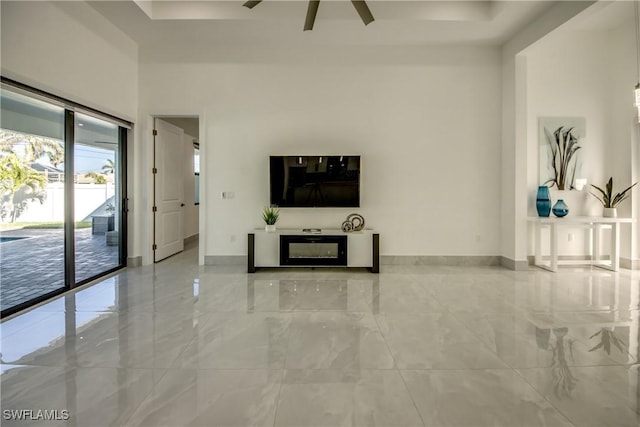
[(180, 344), (313, 295)]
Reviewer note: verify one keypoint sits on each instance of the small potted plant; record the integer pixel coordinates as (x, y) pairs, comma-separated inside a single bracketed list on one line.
[(609, 200), (111, 234), (111, 210), (270, 215)]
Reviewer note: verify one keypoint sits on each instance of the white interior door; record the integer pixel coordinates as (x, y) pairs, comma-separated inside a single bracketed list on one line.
[(169, 197)]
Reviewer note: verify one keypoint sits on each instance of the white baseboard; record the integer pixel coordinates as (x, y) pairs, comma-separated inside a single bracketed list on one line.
[(439, 260), (134, 261), (225, 260), (513, 264), (630, 264)]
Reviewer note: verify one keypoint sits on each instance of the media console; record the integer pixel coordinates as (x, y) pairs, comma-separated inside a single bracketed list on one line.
[(329, 247)]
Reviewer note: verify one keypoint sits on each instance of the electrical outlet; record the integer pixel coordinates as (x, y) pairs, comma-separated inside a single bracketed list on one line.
[(570, 237), (233, 238), (478, 238)]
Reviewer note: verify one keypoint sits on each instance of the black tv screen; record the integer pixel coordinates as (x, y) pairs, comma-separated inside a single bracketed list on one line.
[(315, 181)]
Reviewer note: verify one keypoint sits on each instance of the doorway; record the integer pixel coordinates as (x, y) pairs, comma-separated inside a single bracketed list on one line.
[(176, 173)]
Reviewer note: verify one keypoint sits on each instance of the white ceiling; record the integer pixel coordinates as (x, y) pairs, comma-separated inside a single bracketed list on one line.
[(186, 24), (277, 23), (604, 15)]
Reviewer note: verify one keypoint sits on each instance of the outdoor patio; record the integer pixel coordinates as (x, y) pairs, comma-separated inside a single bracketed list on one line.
[(34, 266)]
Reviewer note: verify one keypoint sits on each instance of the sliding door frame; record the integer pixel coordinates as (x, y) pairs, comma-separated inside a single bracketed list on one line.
[(69, 200), (70, 108)]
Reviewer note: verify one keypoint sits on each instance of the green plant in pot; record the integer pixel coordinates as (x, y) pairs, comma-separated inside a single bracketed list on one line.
[(110, 209), (609, 200), (270, 215)]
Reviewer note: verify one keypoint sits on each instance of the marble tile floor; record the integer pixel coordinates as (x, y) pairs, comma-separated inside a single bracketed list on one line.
[(176, 344)]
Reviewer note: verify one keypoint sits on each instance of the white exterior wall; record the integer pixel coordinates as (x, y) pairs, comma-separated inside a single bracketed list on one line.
[(88, 197)]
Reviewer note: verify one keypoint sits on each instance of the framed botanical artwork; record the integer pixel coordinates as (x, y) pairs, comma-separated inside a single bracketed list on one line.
[(561, 151)]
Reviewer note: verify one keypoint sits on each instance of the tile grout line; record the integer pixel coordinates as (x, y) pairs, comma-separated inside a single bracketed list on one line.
[(397, 369), (284, 366)]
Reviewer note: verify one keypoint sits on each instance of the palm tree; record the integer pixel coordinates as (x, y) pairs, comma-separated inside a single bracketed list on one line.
[(17, 178), (97, 178), (109, 167), (35, 146)]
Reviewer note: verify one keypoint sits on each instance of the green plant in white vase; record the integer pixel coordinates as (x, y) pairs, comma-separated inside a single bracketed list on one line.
[(270, 215), (609, 200)]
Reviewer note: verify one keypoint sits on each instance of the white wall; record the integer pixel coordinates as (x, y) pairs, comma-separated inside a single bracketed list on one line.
[(568, 76), (623, 132), (439, 176), (425, 121), (514, 199), (585, 73), (70, 50), (190, 210)]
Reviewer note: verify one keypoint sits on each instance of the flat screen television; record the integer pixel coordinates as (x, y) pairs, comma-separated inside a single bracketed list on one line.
[(315, 181)]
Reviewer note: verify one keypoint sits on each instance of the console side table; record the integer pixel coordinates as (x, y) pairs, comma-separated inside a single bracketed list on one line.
[(596, 224)]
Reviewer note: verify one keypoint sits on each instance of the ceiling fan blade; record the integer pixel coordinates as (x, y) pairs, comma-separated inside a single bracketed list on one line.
[(312, 10), (363, 11), (252, 3)]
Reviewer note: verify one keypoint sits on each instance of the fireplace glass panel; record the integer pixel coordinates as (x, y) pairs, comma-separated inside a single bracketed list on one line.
[(313, 250)]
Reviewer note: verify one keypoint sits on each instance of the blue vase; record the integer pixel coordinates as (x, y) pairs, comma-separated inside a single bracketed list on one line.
[(560, 209), (543, 201)]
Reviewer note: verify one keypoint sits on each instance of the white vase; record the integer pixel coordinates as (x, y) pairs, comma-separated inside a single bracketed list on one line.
[(270, 228), (610, 212)]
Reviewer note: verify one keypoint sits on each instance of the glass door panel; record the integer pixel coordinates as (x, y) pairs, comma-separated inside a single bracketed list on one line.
[(97, 197), (32, 196)]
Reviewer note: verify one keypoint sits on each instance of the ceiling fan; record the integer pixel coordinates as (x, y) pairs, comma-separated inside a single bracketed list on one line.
[(360, 6)]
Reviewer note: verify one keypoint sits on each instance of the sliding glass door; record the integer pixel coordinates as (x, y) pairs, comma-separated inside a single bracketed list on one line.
[(97, 196), (32, 199), (61, 193)]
